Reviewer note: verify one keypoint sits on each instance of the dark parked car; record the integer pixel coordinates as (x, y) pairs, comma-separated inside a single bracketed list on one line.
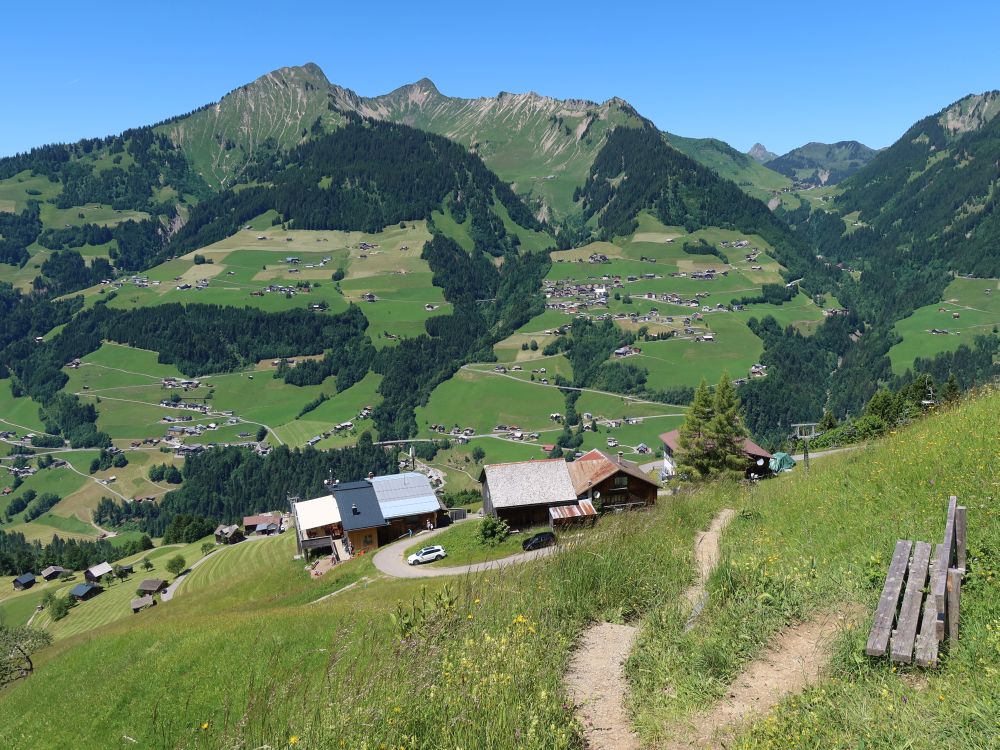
[(542, 539)]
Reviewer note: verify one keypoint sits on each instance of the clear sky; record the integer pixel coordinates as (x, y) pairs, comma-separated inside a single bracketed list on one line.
[(782, 73)]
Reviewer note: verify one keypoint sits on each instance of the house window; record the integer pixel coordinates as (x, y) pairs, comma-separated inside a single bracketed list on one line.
[(368, 540), (621, 482)]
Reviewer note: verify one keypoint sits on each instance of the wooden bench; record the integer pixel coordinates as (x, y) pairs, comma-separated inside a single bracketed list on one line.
[(919, 605)]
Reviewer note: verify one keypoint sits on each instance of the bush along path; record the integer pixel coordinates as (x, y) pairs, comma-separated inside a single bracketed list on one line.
[(596, 680)]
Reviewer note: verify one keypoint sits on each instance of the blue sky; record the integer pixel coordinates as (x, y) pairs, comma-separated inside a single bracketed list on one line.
[(782, 73)]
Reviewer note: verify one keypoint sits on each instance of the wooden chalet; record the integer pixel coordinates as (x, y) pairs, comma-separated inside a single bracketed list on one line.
[(24, 581), (522, 492), (142, 602), (554, 492), (757, 459), (151, 586), (264, 524), (229, 534), (97, 572), (83, 591), (53, 571), (611, 482)]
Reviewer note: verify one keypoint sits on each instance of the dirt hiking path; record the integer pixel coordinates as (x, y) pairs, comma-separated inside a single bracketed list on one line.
[(793, 661), (596, 680)]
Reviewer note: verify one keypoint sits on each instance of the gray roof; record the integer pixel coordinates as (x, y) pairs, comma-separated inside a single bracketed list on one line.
[(53, 569), (407, 494), (152, 584), (100, 569), (25, 578), (358, 505), (143, 601), (526, 483)]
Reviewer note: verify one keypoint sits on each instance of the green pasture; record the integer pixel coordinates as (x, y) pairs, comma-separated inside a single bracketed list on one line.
[(340, 407), (480, 400), (684, 362), (18, 414), (979, 314)]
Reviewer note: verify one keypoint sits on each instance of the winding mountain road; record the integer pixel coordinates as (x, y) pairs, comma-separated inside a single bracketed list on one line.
[(389, 559)]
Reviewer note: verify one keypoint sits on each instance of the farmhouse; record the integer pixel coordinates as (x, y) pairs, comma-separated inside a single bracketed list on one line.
[(228, 534), (522, 492), (83, 591), (528, 493), (757, 458), (317, 524), (96, 572), (142, 602), (611, 482), (361, 516), (53, 571), (24, 581), (407, 502), (262, 525), (151, 586)]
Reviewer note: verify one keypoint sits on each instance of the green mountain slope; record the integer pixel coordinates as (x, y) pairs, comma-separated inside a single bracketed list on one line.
[(823, 163), (727, 162), (278, 110), (542, 146), (936, 188)]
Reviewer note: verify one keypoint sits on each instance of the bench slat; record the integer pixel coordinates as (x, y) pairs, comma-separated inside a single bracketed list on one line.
[(961, 530), (909, 611), (939, 583), (885, 613), (927, 640)]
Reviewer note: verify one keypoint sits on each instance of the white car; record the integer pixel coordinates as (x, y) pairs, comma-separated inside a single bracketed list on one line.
[(427, 554)]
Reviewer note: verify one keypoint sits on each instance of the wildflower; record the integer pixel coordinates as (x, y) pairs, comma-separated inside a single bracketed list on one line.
[(293, 740), (204, 726)]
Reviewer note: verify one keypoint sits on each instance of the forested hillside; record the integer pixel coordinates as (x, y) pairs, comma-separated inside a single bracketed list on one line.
[(932, 196)]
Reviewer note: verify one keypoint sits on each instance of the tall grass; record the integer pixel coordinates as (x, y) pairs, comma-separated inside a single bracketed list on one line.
[(805, 544)]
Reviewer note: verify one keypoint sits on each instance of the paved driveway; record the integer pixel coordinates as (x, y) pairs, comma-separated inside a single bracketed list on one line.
[(389, 559)]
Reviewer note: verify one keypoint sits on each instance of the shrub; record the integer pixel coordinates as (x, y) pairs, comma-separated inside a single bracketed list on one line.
[(492, 531)]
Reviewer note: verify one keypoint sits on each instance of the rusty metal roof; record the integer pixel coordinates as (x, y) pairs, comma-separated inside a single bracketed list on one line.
[(581, 509)]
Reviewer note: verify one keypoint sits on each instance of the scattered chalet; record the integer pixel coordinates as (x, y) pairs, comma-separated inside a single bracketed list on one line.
[(24, 581), (357, 517), (757, 458), (554, 492), (53, 571), (97, 572), (140, 603), (151, 586), (83, 591), (264, 524), (228, 534)]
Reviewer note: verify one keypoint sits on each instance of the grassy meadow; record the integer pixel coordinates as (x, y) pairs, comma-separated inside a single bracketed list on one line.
[(979, 314), (244, 660)]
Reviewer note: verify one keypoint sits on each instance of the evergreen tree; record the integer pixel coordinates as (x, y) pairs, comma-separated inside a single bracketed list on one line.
[(828, 422), (726, 431), (695, 459), (950, 389)]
